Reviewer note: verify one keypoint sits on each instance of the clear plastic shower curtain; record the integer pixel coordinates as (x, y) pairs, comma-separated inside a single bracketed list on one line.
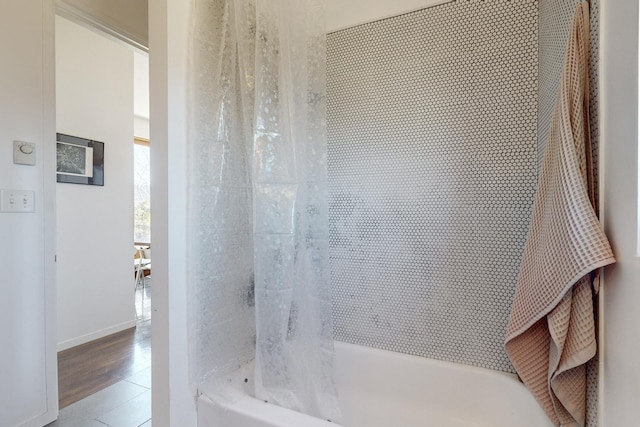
[(258, 221)]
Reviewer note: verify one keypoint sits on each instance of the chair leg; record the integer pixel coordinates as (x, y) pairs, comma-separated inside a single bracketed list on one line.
[(142, 299)]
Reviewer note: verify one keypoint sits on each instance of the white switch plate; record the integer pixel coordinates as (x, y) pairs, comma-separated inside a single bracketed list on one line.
[(24, 153), (17, 201)]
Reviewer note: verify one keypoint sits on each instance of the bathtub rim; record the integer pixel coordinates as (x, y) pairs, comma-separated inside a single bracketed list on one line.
[(233, 405)]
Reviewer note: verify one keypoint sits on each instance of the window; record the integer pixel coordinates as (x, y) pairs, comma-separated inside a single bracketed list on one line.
[(142, 191)]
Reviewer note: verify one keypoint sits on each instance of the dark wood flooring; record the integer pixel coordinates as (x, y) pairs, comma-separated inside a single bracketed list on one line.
[(91, 367)]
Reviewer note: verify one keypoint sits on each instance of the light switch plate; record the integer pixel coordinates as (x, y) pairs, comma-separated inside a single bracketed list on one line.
[(17, 201), (24, 153)]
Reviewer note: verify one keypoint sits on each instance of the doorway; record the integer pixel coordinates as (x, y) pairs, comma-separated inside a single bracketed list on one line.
[(101, 306)]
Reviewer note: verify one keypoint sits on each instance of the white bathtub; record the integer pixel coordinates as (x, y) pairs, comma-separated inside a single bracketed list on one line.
[(384, 389)]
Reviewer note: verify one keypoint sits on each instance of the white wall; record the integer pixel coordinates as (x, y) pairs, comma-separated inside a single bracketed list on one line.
[(620, 305), (94, 100), (173, 402), (28, 382), (343, 14)]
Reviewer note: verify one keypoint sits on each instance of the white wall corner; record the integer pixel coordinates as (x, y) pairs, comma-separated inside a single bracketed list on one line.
[(173, 401), (28, 389), (619, 314)]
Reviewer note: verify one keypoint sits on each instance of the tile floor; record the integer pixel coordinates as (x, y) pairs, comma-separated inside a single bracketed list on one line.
[(124, 404)]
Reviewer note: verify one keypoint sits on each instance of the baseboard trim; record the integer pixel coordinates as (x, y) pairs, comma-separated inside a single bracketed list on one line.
[(73, 342)]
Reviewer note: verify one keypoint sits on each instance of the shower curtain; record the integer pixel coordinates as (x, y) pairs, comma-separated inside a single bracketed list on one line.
[(258, 232)]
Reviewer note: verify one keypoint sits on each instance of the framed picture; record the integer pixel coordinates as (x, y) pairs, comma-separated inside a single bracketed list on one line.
[(79, 160)]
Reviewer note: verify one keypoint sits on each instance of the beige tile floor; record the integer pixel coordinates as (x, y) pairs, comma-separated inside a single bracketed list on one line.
[(124, 404)]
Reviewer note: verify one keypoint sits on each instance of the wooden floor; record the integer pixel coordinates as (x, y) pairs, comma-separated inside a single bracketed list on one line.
[(91, 367)]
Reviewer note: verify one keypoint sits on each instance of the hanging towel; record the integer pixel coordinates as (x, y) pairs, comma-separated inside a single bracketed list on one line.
[(551, 330)]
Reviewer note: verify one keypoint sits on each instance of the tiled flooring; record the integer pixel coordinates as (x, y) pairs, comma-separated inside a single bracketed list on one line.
[(126, 403)]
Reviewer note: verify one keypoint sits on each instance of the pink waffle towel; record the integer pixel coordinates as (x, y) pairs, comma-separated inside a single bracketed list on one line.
[(551, 330)]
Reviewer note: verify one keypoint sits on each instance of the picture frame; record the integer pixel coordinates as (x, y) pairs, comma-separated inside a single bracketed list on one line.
[(79, 160)]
